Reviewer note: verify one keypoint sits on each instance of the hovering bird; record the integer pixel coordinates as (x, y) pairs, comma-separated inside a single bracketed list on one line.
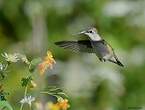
[(94, 44)]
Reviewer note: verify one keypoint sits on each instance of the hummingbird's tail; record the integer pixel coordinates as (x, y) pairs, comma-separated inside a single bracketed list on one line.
[(116, 62)]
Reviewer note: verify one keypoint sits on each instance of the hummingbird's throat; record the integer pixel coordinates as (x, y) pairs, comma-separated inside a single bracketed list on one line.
[(95, 37)]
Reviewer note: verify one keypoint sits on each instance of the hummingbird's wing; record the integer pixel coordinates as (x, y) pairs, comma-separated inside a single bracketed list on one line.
[(76, 46)]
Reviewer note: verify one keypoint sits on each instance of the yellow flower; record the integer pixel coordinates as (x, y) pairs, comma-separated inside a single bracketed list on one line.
[(52, 106), (62, 104), (48, 62)]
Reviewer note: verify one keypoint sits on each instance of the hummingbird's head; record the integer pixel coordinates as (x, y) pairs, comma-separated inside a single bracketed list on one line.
[(89, 31), (92, 33)]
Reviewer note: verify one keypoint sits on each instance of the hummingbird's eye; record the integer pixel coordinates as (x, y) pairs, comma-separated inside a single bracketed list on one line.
[(90, 31)]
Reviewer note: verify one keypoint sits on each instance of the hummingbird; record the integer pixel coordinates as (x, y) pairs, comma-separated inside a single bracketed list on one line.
[(94, 44)]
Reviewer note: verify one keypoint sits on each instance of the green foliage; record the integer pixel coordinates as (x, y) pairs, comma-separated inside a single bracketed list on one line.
[(26, 81), (2, 95), (55, 91), (3, 68), (5, 105)]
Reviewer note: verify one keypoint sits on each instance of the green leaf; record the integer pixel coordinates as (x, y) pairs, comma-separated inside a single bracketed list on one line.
[(26, 81), (34, 63), (3, 68), (54, 91), (62, 94), (3, 94), (4, 105)]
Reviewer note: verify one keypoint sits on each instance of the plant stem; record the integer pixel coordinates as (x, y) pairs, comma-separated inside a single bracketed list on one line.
[(30, 107), (25, 93), (21, 108)]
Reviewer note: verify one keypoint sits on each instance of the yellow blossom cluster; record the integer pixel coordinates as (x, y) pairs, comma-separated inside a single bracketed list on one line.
[(60, 105), (47, 63)]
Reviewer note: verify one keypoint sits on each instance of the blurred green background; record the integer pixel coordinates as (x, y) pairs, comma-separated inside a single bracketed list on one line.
[(32, 26)]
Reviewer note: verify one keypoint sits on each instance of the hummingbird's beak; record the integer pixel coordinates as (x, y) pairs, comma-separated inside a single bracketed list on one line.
[(82, 32)]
